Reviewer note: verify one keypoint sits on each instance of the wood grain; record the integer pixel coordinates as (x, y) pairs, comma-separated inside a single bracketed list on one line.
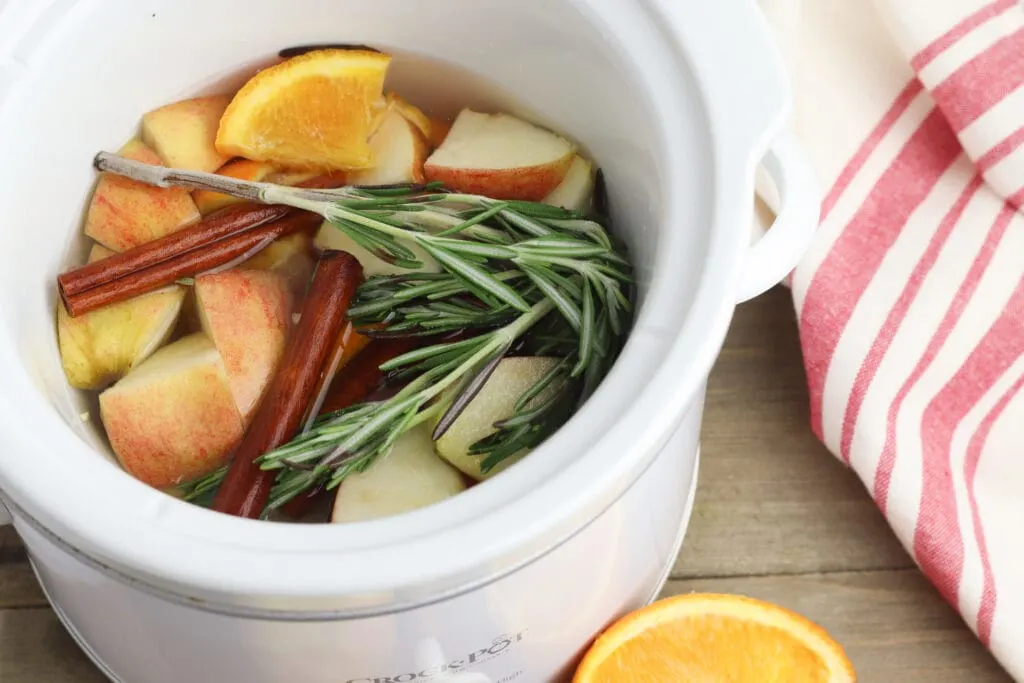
[(35, 648), (771, 499), (776, 517), (11, 549), (19, 588)]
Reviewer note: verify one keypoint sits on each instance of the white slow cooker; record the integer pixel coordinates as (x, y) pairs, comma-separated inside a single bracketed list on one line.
[(677, 100)]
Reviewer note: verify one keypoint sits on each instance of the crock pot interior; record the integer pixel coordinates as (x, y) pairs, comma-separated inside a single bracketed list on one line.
[(90, 75)]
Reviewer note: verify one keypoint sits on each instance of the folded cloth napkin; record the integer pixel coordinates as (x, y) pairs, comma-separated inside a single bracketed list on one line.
[(911, 299)]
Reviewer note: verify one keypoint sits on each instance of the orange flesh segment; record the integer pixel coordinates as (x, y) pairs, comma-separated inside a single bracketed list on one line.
[(312, 111), (714, 639)]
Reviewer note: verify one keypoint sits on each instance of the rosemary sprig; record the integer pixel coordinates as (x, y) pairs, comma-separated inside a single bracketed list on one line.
[(506, 266), (350, 440)]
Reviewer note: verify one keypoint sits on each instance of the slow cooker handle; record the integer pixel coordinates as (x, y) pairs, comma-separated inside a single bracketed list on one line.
[(748, 102), (769, 260)]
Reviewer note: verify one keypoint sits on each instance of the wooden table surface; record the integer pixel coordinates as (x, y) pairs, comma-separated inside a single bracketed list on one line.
[(776, 517)]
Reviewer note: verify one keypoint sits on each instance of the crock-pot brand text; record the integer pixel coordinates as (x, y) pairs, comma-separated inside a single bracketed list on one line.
[(501, 645)]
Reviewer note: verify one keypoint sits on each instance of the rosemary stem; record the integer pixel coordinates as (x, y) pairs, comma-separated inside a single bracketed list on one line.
[(500, 339), (273, 194)]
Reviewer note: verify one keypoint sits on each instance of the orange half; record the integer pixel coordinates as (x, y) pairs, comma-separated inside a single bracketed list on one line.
[(709, 638), (312, 111)]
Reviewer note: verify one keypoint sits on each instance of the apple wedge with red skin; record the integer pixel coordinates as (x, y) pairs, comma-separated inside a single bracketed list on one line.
[(183, 133), (173, 418), (124, 213), (247, 314), (500, 156)]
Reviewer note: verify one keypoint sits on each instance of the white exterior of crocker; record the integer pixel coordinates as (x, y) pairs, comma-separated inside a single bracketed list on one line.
[(675, 100)]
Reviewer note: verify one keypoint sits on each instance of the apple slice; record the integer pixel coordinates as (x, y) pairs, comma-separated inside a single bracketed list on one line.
[(98, 252), (124, 214), (496, 401), (101, 346), (399, 150), (247, 314), (577, 189), (410, 477), (500, 156), (332, 237), (258, 171), (292, 258), (173, 419), (183, 133)]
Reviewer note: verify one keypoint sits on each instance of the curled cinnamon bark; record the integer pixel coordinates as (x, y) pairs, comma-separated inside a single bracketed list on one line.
[(187, 264), (246, 487), (130, 264), (363, 375), (211, 229)]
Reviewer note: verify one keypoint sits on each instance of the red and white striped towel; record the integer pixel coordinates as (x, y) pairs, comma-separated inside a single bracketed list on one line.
[(911, 299)]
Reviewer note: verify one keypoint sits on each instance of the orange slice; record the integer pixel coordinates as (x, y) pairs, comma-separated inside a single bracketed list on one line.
[(410, 112), (714, 639), (433, 129), (313, 111)]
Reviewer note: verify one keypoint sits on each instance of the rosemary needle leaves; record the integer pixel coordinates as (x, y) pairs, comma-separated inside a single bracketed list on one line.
[(512, 272)]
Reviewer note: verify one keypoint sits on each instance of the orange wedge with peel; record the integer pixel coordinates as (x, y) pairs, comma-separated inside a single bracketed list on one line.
[(312, 111), (410, 112), (433, 129), (714, 638)]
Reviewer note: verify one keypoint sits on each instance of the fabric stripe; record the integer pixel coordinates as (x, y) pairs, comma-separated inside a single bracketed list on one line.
[(887, 461), (983, 82), (856, 254), (850, 201), (894, 320), (1001, 151), (1017, 199), (1006, 175), (972, 580), (986, 610), (879, 297), (943, 43), (970, 46), (938, 544), (856, 163), (994, 126)]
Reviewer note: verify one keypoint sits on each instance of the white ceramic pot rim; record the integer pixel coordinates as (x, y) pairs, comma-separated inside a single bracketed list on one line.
[(196, 553)]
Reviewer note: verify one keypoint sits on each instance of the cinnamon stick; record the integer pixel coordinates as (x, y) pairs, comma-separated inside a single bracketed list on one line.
[(215, 227), (348, 345), (225, 223), (246, 488), (363, 375), (187, 264), (299, 506)]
